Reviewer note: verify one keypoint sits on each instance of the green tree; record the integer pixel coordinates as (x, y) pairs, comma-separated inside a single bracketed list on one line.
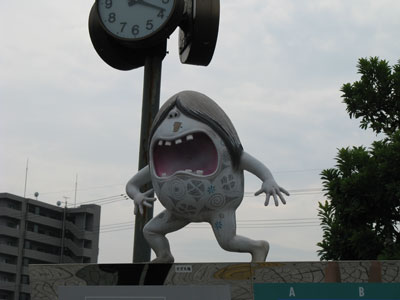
[(361, 217), (376, 97)]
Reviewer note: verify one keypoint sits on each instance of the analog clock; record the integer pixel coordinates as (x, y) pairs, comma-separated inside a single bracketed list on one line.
[(140, 22), (198, 35)]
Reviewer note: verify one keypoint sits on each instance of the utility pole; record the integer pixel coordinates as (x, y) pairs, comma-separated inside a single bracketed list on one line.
[(63, 229), (26, 177), (76, 189)]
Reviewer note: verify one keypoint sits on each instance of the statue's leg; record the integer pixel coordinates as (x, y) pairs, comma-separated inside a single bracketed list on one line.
[(156, 229), (224, 227)]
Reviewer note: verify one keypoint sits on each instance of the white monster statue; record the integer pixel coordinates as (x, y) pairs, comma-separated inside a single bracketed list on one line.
[(196, 169)]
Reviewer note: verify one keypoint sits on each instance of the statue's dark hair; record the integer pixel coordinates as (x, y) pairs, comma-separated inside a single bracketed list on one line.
[(200, 107)]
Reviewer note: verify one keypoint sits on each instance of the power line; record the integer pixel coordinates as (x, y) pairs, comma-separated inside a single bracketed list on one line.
[(123, 197), (298, 171), (123, 184), (98, 200), (104, 200), (241, 224), (81, 189)]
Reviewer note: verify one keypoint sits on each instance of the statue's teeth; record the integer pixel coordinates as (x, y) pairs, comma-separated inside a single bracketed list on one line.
[(167, 143), (164, 175), (199, 172), (189, 137), (178, 141), (160, 142), (188, 170)]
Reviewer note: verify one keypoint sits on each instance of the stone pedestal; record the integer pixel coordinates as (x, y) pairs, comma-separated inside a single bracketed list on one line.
[(240, 277)]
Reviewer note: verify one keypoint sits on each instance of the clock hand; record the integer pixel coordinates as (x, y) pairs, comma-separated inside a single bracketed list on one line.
[(144, 3), (132, 2)]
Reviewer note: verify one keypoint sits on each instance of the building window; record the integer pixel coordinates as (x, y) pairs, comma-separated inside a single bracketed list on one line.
[(87, 244), (24, 296), (24, 279), (14, 205), (89, 222), (12, 224), (9, 241), (8, 259), (27, 245), (71, 218), (25, 262), (6, 295), (7, 277)]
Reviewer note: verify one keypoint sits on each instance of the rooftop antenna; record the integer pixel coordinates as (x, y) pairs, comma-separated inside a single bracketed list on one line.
[(26, 176), (66, 201), (76, 189)]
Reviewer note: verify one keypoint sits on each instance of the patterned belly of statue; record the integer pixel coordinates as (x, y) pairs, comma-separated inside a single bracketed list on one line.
[(191, 194)]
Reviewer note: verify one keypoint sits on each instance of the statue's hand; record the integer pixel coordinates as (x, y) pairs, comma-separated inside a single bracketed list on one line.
[(271, 188), (143, 199)]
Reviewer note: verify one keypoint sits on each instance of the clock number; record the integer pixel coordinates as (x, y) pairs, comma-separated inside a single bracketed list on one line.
[(161, 14), (109, 4), (149, 25), (111, 17), (135, 30), (123, 24)]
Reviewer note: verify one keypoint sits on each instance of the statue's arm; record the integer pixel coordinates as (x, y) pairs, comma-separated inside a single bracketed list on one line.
[(133, 190), (269, 185)]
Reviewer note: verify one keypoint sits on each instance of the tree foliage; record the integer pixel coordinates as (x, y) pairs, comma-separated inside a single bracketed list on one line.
[(361, 218), (375, 98)]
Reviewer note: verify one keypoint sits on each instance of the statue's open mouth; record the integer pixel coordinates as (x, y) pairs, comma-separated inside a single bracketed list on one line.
[(192, 153)]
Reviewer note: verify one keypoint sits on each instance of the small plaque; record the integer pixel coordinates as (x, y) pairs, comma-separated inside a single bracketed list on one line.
[(183, 269)]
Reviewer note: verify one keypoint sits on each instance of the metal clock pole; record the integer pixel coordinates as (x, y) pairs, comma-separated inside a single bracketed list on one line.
[(150, 106)]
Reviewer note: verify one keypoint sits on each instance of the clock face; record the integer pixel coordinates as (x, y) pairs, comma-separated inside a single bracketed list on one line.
[(134, 19)]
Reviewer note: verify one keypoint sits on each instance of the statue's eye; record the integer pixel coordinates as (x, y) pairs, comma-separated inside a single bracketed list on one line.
[(173, 114)]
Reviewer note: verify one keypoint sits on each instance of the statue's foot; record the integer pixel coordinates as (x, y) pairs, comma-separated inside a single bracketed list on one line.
[(163, 259), (260, 252)]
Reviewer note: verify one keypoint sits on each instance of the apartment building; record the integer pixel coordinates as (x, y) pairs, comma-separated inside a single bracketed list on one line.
[(34, 232)]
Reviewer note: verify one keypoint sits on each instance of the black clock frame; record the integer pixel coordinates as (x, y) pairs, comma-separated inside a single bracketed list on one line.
[(199, 32), (198, 21)]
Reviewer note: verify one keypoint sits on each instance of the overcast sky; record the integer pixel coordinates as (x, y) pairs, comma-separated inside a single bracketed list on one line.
[(277, 72)]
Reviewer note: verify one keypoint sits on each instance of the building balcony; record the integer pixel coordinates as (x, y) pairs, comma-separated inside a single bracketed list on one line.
[(42, 238), (44, 220), (7, 286), (42, 256), (9, 231), (9, 268), (6, 249), (10, 212)]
